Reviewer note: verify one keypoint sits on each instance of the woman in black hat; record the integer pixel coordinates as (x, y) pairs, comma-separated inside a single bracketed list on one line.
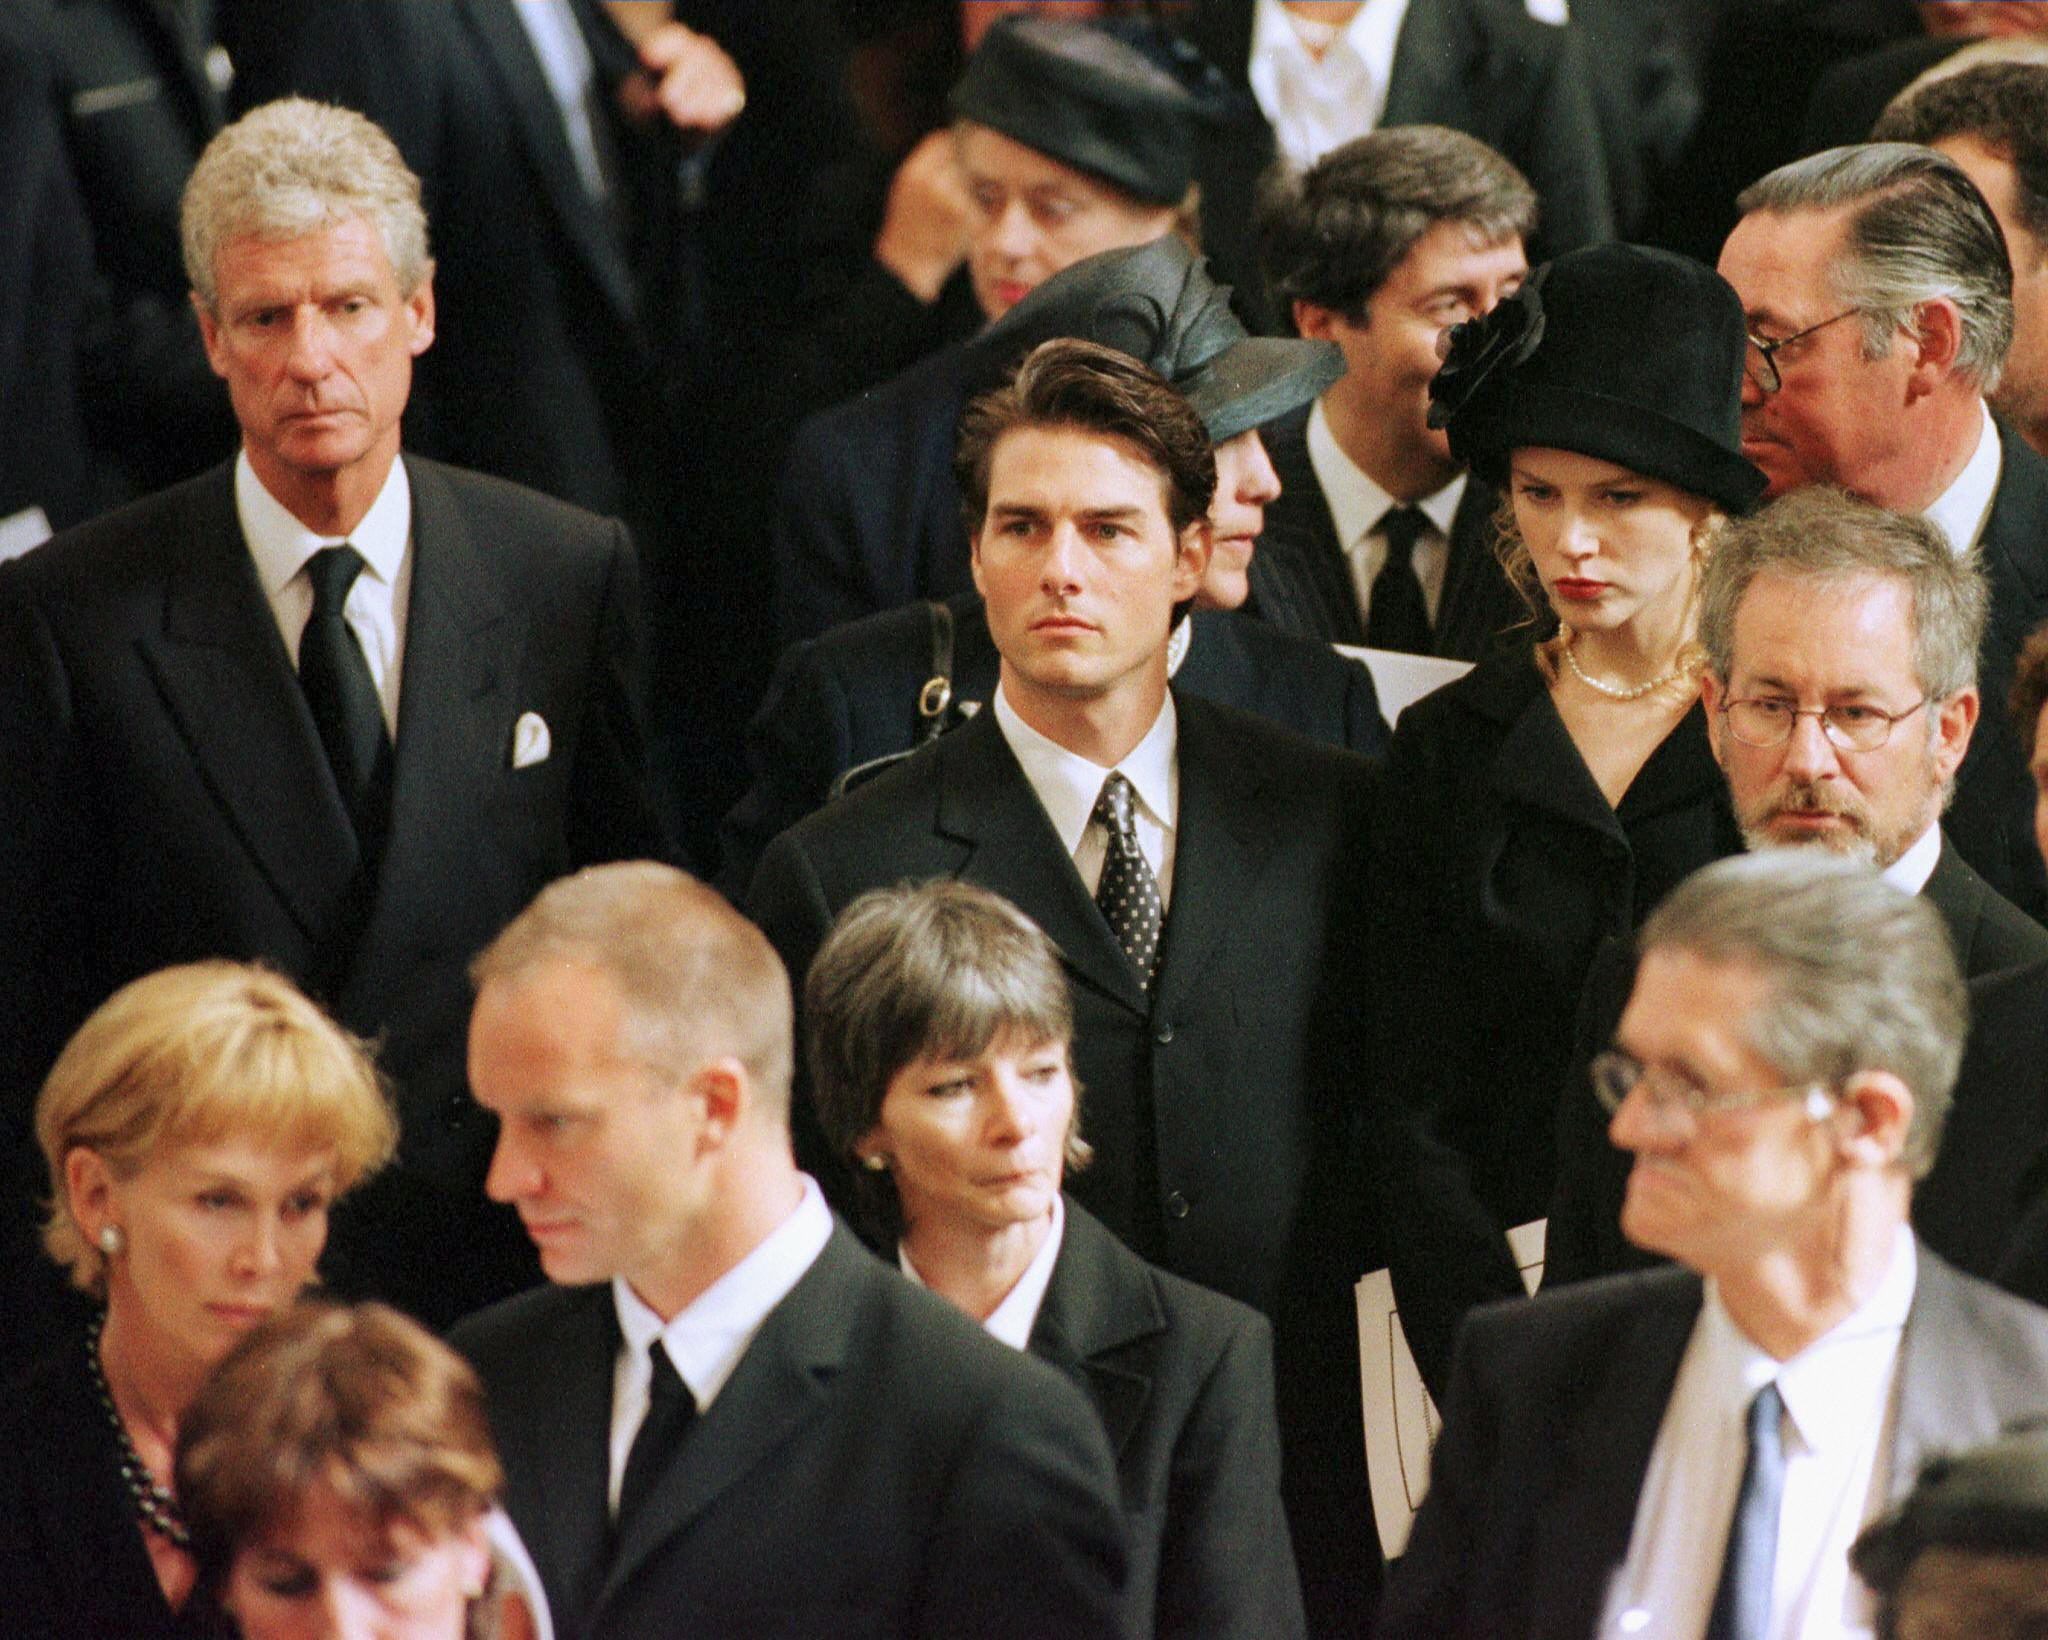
[(1546, 801)]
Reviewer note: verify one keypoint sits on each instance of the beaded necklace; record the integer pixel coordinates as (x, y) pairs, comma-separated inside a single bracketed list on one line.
[(154, 1503)]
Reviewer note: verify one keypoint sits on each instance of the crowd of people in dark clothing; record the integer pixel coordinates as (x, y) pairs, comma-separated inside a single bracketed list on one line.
[(772, 776)]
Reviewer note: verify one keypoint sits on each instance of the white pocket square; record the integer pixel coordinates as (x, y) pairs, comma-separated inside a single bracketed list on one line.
[(530, 742)]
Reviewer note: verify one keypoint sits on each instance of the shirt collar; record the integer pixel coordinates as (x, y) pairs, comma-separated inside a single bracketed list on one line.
[(1356, 501), (1011, 1321), (1910, 871), (1369, 36), (1963, 507), (707, 1338), (280, 544), (1068, 784)]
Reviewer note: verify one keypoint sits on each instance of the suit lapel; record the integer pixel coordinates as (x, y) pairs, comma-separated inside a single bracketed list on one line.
[(538, 120), (1957, 892), (1537, 765), (782, 1382), (1431, 74), (1949, 1394), (1100, 1301), (986, 803), (461, 644), (228, 683)]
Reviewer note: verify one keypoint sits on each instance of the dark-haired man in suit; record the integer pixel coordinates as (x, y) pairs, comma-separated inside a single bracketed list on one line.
[(726, 1417), (322, 707)]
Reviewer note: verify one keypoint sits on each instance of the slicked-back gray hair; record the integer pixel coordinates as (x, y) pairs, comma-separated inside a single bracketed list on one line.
[(695, 978), (1821, 533), (294, 167), (1919, 229), (1861, 975), (1333, 234)]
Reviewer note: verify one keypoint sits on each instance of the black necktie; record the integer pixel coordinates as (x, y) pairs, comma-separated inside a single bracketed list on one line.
[(337, 683), (1398, 617), (1742, 1601), (1128, 894), (671, 1409)]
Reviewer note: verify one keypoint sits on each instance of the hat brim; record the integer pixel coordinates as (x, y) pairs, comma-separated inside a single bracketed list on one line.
[(1256, 379), (1517, 417)]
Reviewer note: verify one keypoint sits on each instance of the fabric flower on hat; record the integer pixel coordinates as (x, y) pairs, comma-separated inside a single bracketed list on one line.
[(1479, 347)]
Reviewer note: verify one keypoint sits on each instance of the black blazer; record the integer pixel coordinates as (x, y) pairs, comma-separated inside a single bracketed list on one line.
[(1965, 1208), (1233, 1143), (72, 1558), (1182, 1379), (164, 797), (1554, 1408), (876, 1465), (842, 700), (1307, 586)]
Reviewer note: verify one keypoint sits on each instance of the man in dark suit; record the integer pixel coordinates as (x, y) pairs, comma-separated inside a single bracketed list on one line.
[(1781, 1075), (1190, 861), (321, 707), (1891, 407), (729, 1418), (1379, 536), (1823, 604)]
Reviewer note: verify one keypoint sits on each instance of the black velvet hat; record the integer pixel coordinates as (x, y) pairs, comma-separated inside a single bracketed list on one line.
[(1628, 354), (1158, 304), (1088, 98), (1992, 1497)]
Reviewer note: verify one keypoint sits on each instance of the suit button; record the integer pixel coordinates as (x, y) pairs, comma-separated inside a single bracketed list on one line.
[(1176, 1205), (1163, 1035)]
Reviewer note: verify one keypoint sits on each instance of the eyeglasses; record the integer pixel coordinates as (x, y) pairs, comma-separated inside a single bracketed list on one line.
[(1616, 1075), (1763, 369), (1854, 727)]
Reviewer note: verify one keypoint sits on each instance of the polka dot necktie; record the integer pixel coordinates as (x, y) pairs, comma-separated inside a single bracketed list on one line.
[(1128, 895)]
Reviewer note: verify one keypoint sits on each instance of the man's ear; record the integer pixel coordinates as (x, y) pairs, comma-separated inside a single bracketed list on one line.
[(1954, 722), (1314, 322), (1712, 693), (727, 1094), (1191, 559), (1875, 1112), (1936, 338), (420, 305), (209, 334)]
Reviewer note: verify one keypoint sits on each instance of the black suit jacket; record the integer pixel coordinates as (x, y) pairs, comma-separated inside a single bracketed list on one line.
[(845, 699), (1554, 1408), (1232, 1140), (876, 1465), (1992, 817), (1966, 1208), (1306, 587), (1182, 1379), (72, 1558), (164, 797)]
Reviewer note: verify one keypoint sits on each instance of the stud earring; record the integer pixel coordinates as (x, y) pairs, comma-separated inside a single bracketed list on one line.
[(875, 1163), (111, 1240)]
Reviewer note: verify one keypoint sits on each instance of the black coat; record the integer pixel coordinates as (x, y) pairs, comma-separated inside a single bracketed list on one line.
[(1554, 1409), (1182, 1379), (877, 1465), (1306, 584), (73, 1563), (164, 797), (842, 700), (1965, 1209)]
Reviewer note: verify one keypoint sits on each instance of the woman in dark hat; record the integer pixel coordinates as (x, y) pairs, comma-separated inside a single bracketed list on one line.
[(1546, 801)]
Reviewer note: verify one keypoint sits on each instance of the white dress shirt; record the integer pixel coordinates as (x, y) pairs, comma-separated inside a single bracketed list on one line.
[(1838, 1434), (1357, 505), (1011, 1321), (566, 64), (1068, 784), (707, 1338), (1910, 871), (376, 607), (1316, 103), (1963, 508)]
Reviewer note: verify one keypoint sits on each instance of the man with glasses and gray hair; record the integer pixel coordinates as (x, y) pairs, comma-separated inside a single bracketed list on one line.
[(1878, 289), (1693, 1449)]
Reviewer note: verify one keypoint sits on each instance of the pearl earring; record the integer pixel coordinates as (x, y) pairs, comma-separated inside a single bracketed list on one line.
[(111, 1240), (875, 1163)]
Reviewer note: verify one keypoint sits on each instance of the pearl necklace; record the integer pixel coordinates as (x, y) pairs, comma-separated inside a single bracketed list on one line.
[(154, 1503), (1614, 691)]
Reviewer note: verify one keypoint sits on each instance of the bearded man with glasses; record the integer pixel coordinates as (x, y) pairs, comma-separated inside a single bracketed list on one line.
[(1693, 1450)]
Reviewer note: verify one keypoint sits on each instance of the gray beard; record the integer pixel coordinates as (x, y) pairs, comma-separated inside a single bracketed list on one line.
[(1858, 846)]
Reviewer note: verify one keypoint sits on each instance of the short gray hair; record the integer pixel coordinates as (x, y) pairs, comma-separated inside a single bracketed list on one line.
[(695, 978), (1862, 976), (1821, 533), (1921, 230), (294, 167)]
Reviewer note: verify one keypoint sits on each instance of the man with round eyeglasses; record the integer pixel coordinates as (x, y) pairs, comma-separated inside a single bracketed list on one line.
[(1692, 1450)]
